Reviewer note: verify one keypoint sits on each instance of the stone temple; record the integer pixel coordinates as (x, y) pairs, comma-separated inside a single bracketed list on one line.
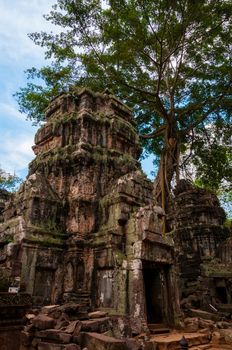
[(84, 229)]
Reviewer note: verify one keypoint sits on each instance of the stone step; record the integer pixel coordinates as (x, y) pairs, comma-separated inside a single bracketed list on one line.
[(158, 328), (172, 341), (201, 347), (220, 347)]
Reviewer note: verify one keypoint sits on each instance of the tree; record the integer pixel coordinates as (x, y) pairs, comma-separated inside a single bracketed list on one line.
[(170, 60), (7, 181), (210, 164)]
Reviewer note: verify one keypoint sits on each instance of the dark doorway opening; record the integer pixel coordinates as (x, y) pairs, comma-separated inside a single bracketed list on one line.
[(154, 295), (221, 295)]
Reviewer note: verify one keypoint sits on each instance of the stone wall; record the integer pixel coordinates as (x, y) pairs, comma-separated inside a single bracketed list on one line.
[(197, 221)]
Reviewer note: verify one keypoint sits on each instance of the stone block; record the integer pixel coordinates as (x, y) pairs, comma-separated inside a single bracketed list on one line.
[(97, 314), (203, 314), (100, 325), (48, 309), (226, 334), (97, 341), (74, 327), (53, 346), (54, 334), (191, 324), (43, 322), (132, 344), (206, 323)]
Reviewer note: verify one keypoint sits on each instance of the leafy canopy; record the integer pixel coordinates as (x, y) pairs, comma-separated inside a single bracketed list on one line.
[(7, 181), (170, 60)]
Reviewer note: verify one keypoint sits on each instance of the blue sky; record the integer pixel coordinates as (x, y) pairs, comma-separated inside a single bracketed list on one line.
[(18, 52)]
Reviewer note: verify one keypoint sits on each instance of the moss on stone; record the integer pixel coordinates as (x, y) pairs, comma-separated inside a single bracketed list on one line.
[(46, 241), (214, 267)]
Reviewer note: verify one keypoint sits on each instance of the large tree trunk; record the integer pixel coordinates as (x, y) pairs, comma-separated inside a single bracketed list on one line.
[(169, 166)]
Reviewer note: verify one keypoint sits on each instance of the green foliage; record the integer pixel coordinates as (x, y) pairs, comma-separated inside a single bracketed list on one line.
[(212, 161), (8, 182), (50, 81), (168, 60)]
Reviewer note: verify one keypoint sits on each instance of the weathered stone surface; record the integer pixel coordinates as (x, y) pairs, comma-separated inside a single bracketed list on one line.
[(207, 324), (100, 325), (191, 324), (54, 334), (132, 344), (97, 314), (101, 342), (74, 327), (197, 221), (43, 322), (203, 314), (52, 346), (226, 334), (48, 309)]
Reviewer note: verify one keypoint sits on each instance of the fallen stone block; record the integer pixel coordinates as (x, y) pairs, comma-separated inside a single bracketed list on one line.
[(54, 334), (226, 334), (132, 344), (53, 346), (97, 314), (206, 323), (100, 325), (43, 322), (203, 314), (95, 341), (224, 325), (191, 324), (49, 308), (74, 327)]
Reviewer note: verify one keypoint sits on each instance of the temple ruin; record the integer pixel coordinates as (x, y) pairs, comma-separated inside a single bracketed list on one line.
[(84, 229)]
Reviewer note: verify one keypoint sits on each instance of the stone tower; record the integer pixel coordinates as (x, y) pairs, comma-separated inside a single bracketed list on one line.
[(84, 225)]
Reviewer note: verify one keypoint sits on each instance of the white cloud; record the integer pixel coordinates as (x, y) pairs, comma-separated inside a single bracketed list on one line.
[(16, 152), (18, 52), (11, 111), (18, 18)]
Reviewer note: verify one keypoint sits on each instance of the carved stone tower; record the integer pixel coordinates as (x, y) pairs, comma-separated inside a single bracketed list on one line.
[(84, 225)]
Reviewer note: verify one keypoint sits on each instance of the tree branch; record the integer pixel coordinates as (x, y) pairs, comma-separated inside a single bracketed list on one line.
[(158, 132)]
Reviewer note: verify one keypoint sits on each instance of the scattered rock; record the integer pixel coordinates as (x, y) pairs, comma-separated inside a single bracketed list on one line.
[(216, 336), (43, 322), (224, 325), (97, 314), (191, 324), (54, 334), (100, 325), (74, 327), (95, 341), (52, 346), (48, 309), (226, 334), (30, 316), (206, 324)]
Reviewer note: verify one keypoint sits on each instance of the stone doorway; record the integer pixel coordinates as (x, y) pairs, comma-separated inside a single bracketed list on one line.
[(157, 293), (221, 295), (43, 285)]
